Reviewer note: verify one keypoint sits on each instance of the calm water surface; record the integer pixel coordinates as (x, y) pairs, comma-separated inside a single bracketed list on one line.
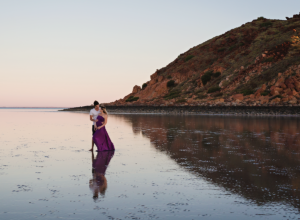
[(164, 167)]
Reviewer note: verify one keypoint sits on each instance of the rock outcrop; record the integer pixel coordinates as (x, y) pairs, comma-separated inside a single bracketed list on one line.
[(255, 64), (136, 89)]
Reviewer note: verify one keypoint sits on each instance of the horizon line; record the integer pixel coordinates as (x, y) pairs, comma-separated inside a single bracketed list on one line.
[(31, 107)]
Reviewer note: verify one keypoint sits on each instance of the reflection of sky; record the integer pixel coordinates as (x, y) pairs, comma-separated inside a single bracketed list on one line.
[(69, 53), (45, 169)]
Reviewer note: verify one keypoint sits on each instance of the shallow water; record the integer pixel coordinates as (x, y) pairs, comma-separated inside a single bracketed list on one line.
[(164, 167)]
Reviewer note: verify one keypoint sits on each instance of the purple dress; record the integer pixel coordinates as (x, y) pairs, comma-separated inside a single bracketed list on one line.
[(101, 137)]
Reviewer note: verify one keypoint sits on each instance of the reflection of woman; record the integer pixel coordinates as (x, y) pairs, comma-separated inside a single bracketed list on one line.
[(101, 137), (99, 183)]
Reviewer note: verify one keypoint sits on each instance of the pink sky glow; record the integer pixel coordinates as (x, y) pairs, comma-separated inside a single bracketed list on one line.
[(70, 53)]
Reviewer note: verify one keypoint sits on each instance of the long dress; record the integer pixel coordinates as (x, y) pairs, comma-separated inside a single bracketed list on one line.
[(101, 138)]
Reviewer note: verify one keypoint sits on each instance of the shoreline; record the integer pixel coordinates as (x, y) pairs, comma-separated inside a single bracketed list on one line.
[(200, 110)]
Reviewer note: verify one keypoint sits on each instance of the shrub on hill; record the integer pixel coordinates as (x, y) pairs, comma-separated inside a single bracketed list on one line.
[(214, 89), (172, 95), (188, 58), (144, 86), (217, 94), (266, 24), (247, 92), (267, 60), (232, 47), (221, 49), (181, 100), (132, 99), (260, 18), (265, 93), (202, 96), (206, 77), (217, 74), (171, 83)]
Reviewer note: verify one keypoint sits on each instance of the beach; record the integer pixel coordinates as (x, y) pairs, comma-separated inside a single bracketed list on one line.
[(164, 167)]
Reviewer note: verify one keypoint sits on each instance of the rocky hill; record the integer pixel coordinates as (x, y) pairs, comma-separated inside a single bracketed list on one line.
[(255, 64)]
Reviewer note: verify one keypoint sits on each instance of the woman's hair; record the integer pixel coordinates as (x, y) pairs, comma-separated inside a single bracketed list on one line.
[(103, 109)]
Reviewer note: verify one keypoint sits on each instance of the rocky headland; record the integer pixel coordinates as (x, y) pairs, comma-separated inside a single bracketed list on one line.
[(257, 64), (252, 69)]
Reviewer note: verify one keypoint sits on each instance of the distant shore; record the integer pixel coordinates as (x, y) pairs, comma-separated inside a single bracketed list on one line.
[(200, 110)]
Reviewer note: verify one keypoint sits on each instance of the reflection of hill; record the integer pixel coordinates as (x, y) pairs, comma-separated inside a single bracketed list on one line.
[(258, 158)]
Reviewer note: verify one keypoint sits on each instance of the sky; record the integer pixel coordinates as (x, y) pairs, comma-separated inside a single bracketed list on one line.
[(67, 53)]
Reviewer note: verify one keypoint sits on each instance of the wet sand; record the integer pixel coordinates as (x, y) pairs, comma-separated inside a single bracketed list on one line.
[(164, 167)]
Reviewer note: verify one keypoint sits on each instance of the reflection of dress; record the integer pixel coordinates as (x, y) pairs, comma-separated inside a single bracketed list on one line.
[(102, 160), (100, 164), (101, 137)]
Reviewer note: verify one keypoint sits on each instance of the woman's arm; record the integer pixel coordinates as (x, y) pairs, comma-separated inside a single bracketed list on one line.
[(103, 123)]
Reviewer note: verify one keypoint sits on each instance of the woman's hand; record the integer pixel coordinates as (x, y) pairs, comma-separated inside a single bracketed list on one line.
[(95, 127)]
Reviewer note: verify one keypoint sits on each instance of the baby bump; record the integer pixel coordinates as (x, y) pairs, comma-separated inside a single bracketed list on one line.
[(100, 121)]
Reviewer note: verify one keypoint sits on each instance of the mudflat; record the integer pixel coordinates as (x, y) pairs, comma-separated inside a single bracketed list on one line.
[(164, 167)]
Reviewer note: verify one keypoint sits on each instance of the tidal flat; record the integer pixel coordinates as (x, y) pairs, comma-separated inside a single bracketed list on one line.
[(164, 167)]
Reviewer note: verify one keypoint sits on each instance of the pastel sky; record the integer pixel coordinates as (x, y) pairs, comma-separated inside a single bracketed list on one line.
[(70, 52)]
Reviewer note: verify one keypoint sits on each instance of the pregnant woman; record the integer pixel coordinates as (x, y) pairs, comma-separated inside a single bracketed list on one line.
[(101, 137)]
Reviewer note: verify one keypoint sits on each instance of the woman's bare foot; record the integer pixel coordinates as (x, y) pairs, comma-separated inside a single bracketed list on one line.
[(91, 149)]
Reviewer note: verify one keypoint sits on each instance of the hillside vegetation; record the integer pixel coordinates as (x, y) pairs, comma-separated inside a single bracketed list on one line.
[(255, 64)]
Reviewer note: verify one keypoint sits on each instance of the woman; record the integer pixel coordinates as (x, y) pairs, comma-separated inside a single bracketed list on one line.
[(101, 137)]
